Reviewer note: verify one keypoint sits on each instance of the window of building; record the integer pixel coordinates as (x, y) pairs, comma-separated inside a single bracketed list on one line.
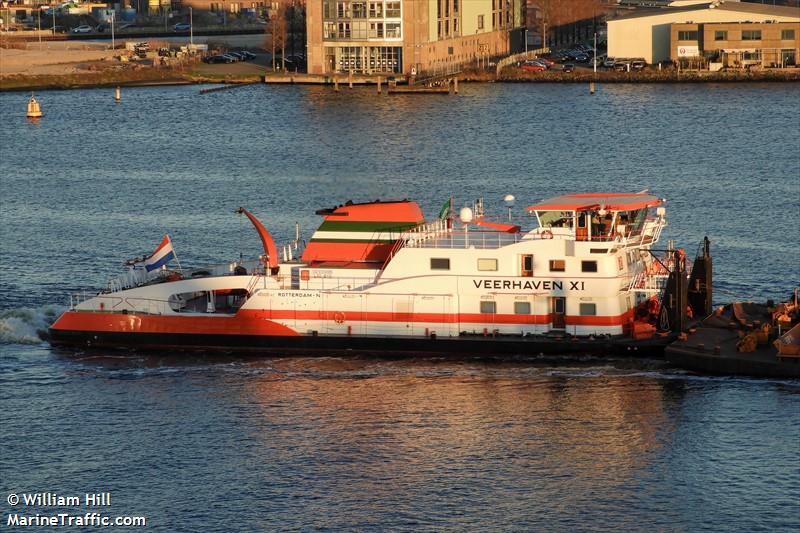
[(393, 30), (787, 35), (359, 30), (587, 309), (588, 266), (720, 35), (343, 30), (440, 263), (328, 9), (522, 308), (343, 10), (359, 10), (376, 30), (558, 265), (480, 22), (329, 30), (487, 264), (687, 35), (392, 10), (751, 35), (376, 10), (489, 307)]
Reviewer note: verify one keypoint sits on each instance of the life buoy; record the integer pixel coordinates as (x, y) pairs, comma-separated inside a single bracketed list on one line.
[(546, 234), (338, 317)]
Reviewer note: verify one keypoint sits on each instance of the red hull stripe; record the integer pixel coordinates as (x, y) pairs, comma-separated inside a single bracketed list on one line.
[(250, 323)]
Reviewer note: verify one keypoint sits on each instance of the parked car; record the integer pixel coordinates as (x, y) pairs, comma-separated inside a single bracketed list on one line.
[(530, 66), (230, 57), (608, 62), (248, 56), (182, 26), (569, 67), (100, 28), (621, 65), (581, 58), (546, 61), (125, 26), (83, 28), (638, 64), (218, 59), (238, 56)]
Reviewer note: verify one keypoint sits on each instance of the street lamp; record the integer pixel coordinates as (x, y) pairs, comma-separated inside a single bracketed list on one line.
[(113, 43), (191, 27)]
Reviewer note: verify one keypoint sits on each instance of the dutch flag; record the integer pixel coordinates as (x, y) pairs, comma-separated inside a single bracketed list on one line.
[(163, 255)]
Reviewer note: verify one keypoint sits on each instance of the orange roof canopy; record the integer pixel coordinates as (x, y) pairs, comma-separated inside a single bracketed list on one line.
[(614, 201)]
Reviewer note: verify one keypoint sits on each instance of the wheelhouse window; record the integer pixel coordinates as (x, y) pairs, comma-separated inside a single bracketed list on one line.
[(489, 308), (588, 266), (487, 264), (558, 265), (588, 309), (555, 219), (440, 263), (522, 308)]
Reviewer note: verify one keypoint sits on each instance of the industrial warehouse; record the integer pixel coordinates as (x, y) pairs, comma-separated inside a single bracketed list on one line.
[(718, 34)]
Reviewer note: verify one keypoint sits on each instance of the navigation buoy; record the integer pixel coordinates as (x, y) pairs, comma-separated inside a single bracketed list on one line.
[(34, 111), (591, 87), (117, 94)]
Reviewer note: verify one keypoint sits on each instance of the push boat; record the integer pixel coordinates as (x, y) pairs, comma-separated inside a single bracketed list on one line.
[(378, 278)]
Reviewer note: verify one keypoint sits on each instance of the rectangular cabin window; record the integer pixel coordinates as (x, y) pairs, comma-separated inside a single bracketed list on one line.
[(527, 266), (751, 35), (522, 308), (588, 309), (487, 264), (787, 35), (687, 35), (558, 265), (440, 263), (720, 35), (588, 266), (598, 250), (489, 307)]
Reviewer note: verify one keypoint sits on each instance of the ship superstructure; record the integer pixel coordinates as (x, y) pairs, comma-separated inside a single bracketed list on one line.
[(378, 276)]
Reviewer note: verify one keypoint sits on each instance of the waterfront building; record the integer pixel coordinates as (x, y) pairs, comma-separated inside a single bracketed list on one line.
[(648, 33), (409, 36), (737, 44)]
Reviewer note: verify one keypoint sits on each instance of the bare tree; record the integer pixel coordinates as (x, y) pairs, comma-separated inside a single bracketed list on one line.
[(278, 34)]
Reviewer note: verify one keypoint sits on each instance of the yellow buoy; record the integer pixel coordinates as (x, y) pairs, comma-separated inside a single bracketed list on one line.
[(34, 111)]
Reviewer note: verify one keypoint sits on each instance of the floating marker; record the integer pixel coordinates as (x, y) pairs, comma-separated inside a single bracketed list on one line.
[(591, 87), (117, 94), (34, 111)]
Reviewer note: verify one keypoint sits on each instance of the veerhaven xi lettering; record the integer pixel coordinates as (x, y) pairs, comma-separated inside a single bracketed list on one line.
[(527, 285)]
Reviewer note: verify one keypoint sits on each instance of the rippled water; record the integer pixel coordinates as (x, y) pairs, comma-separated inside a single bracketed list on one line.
[(229, 444)]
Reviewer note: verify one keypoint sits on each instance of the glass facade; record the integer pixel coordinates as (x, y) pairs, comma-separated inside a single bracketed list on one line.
[(362, 20)]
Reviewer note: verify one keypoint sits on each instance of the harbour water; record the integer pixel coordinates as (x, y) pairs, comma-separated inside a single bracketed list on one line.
[(262, 444)]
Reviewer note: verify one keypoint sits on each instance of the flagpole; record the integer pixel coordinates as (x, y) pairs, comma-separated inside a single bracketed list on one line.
[(180, 268)]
